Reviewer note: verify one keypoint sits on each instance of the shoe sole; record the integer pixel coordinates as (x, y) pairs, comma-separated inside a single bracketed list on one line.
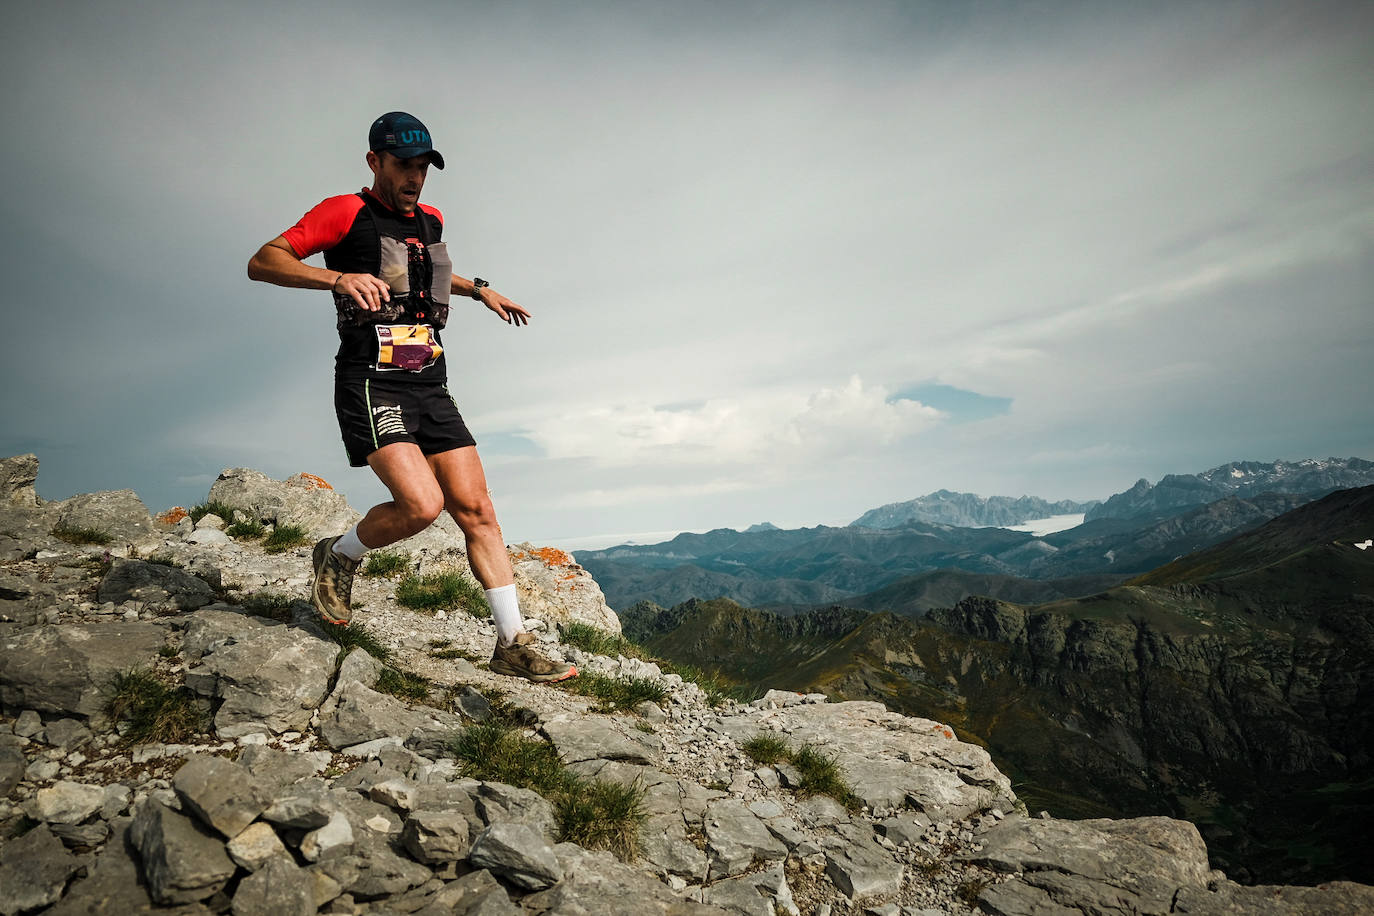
[(317, 560), (497, 667)]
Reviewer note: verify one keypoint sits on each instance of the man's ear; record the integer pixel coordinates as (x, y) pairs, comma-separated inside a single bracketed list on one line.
[(374, 162)]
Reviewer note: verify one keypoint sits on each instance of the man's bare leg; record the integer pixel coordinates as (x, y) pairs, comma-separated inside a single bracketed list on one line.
[(416, 497), (464, 484)]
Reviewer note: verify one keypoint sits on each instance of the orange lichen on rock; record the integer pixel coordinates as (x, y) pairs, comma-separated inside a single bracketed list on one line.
[(313, 482), (173, 515), (944, 730), (549, 555)]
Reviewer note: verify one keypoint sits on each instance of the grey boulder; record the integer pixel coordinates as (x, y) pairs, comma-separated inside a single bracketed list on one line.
[(518, 853), (65, 668), (222, 794), (154, 583), (182, 862)]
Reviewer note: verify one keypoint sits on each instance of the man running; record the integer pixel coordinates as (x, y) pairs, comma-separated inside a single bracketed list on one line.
[(391, 278)]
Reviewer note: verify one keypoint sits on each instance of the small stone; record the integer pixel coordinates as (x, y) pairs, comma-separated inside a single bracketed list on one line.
[(395, 793), (278, 888), (221, 793), (436, 836), (517, 852), (116, 801), (67, 803), (28, 724), (337, 834), (255, 845)]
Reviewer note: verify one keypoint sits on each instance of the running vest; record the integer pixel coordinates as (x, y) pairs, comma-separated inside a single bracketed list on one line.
[(400, 342)]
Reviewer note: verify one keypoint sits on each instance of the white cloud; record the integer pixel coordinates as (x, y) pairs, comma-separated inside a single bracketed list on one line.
[(779, 427)]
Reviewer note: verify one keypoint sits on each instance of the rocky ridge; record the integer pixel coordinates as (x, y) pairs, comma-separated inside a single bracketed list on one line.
[(314, 791)]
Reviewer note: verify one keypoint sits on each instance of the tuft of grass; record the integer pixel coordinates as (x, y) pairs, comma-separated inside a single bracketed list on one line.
[(821, 775), (440, 643), (766, 749), (168, 651), (285, 537), (404, 684), (386, 563), (591, 813), (356, 636), (442, 591), (212, 507), (602, 815), (154, 710), (599, 642), (495, 752), (75, 534), (269, 604), (614, 692), (969, 889), (250, 530)]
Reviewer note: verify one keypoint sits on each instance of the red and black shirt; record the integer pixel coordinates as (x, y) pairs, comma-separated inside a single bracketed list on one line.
[(360, 234)]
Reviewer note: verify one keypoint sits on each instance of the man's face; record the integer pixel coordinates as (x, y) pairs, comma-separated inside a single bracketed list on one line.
[(397, 182)]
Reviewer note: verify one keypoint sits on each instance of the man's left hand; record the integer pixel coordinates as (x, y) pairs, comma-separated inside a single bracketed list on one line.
[(505, 309)]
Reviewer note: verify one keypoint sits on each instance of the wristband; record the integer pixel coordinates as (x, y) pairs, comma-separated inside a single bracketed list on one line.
[(336, 281)]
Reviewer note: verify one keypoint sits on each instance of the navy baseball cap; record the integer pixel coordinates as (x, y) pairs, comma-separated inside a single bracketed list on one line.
[(403, 136)]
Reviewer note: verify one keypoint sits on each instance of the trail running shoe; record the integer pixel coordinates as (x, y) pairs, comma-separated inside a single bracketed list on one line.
[(332, 589), (519, 660)]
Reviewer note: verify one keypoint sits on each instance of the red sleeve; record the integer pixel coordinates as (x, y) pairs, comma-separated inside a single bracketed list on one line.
[(433, 211), (324, 226)]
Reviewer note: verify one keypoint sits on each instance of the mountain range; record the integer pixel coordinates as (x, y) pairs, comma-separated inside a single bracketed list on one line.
[(1131, 533), (1230, 686)]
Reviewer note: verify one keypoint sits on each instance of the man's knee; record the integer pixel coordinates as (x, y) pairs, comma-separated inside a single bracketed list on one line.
[(422, 509), (473, 511)]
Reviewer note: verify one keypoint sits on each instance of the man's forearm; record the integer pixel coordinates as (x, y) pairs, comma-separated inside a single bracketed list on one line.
[(273, 264)]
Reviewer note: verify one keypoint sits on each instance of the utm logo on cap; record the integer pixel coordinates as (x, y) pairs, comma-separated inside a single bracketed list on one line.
[(402, 135)]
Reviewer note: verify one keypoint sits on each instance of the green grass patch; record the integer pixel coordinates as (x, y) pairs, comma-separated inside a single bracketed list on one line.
[(273, 605), (821, 775), (614, 692), (404, 684), (442, 591), (250, 530), (356, 636), (440, 643), (75, 534), (599, 642), (285, 537), (820, 772), (213, 507), (591, 813), (386, 563), (154, 710), (168, 651), (766, 749)]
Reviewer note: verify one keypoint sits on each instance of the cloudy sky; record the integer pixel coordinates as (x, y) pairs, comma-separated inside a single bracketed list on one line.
[(787, 261)]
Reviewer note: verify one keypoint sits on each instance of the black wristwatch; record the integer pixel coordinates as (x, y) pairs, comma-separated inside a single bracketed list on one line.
[(477, 284)]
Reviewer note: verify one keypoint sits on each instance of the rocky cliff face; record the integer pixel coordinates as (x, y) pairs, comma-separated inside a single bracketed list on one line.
[(309, 785)]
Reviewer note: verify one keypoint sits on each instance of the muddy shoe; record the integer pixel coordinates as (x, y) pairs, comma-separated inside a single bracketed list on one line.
[(333, 587), (519, 660)]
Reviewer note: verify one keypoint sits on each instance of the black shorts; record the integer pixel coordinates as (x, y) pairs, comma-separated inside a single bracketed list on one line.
[(375, 413)]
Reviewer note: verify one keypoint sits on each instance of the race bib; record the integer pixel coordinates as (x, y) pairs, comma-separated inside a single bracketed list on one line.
[(408, 347)]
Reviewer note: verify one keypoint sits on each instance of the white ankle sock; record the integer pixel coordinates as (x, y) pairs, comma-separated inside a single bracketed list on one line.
[(505, 611), (349, 546)]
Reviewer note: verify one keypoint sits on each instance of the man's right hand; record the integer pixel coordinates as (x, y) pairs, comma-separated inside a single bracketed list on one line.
[(367, 291)]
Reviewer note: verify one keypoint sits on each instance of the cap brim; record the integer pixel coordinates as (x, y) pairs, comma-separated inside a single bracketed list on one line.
[(411, 152)]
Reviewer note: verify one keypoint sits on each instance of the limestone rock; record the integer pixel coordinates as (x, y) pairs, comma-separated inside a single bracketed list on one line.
[(557, 590), (595, 882), (221, 793), (436, 836), (763, 893), (1137, 864), (359, 666), (586, 738), (154, 583), (255, 845), (17, 478), (34, 870), (735, 838), (270, 678), (298, 501), (861, 868), (278, 888), (498, 803), (63, 669), (181, 860), (119, 513), (517, 852), (67, 802)]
